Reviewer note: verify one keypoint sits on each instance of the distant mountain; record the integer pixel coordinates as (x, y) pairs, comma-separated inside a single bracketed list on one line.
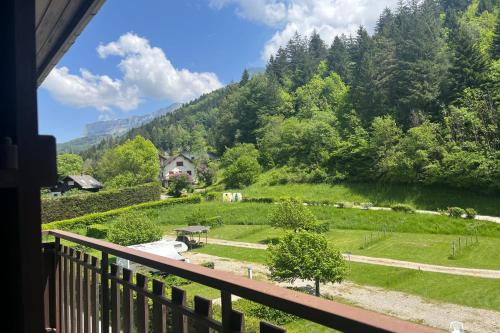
[(95, 132), (120, 126)]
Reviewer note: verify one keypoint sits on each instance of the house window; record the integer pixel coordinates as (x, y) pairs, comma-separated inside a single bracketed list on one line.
[(180, 163), (189, 172)]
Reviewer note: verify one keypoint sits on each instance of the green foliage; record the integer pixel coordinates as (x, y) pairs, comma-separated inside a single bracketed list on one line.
[(291, 214), (96, 230), (131, 163), (69, 164), (470, 213), (66, 207), (306, 256), (208, 264), (403, 208), (179, 183), (199, 217), (134, 228), (242, 167), (455, 212), (104, 217), (264, 313), (213, 196)]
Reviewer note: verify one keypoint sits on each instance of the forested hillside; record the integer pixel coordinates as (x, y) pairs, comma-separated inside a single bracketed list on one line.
[(415, 102)]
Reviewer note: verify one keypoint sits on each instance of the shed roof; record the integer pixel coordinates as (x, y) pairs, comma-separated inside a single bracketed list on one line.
[(193, 229), (85, 181)]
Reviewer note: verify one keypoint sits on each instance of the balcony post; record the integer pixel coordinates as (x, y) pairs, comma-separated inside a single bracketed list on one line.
[(105, 293), (50, 292)]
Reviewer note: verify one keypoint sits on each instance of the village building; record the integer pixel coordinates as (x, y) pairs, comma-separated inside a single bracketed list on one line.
[(175, 165), (80, 182)]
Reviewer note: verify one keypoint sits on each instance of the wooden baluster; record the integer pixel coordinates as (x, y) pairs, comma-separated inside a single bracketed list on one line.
[(57, 285), (159, 311), (142, 304), (179, 321), (94, 295), (72, 289), (115, 299), (64, 288), (270, 328), (86, 294), (79, 294), (202, 307), (128, 302), (105, 293)]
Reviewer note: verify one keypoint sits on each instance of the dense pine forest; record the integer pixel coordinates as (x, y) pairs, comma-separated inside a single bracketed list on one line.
[(417, 101)]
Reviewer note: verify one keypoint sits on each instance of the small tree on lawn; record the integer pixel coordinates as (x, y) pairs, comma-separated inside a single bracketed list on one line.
[(178, 183), (243, 172), (134, 228), (306, 256), (291, 214)]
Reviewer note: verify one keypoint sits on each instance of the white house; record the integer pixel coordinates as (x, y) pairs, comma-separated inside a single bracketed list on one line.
[(175, 165)]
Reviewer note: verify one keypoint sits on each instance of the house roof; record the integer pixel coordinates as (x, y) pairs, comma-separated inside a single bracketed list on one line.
[(168, 159), (58, 24), (85, 181)]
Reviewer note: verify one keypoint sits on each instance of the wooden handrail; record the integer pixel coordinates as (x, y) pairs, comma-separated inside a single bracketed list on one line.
[(328, 313)]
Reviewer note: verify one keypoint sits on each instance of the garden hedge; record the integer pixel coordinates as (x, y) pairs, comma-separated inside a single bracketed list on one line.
[(67, 207), (103, 217)]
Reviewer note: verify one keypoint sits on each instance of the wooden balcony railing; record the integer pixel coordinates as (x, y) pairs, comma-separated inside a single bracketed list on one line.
[(85, 294)]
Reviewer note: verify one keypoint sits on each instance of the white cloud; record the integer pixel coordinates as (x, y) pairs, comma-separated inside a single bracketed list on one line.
[(147, 73), (328, 17)]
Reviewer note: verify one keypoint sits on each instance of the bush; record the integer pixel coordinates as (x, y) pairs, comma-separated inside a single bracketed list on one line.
[(99, 231), (213, 196), (455, 212), (258, 200), (470, 213), (403, 208), (134, 228), (103, 217), (178, 183), (321, 228), (208, 264), (366, 205), (67, 207), (243, 172), (263, 312)]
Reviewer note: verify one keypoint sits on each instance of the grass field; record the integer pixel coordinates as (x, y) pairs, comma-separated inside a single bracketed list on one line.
[(469, 291), (423, 248), (421, 197), (338, 218)]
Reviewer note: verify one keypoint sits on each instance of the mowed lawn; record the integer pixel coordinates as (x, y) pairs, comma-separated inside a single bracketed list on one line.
[(338, 218), (468, 291), (421, 197), (423, 248)]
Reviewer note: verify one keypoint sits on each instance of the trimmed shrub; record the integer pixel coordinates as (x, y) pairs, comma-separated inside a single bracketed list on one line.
[(197, 217), (104, 217), (208, 264), (179, 183), (99, 231), (470, 213), (455, 212), (67, 207), (213, 196), (258, 200), (134, 228), (403, 208)]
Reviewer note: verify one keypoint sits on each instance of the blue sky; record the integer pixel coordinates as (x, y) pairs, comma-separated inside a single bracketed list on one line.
[(137, 56)]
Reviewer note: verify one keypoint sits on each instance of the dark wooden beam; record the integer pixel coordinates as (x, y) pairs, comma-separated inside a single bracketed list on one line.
[(20, 181)]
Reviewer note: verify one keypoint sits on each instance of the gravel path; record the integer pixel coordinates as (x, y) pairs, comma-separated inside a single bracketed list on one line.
[(483, 273), (401, 305)]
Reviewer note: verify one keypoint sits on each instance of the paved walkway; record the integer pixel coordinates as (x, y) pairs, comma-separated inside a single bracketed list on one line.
[(483, 273), (393, 303)]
